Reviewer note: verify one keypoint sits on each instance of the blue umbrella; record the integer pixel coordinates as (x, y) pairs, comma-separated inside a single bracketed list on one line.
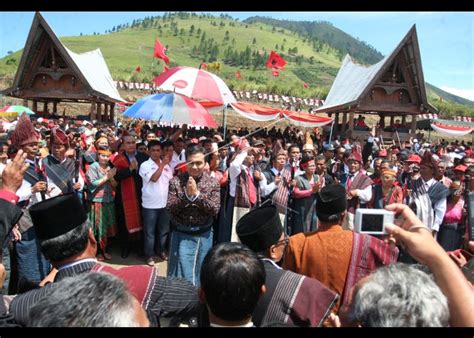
[(172, 108)]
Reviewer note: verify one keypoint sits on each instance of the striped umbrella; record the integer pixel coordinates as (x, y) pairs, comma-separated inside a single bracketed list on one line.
[(13, 111), (171, 108), (196, 84)]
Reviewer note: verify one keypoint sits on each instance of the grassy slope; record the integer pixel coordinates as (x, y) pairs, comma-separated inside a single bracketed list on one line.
[(129, 48)]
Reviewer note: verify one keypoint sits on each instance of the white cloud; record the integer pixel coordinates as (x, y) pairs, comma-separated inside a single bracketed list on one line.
[(465, 93)]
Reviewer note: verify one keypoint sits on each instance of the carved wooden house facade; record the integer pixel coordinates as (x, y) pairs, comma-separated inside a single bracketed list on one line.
[(50, 73)]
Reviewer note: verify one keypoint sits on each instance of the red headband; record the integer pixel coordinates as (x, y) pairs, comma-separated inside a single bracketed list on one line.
[(306, 164)]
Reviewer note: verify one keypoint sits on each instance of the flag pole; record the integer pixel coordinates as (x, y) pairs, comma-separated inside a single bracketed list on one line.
[(224, 114), (330, 134)]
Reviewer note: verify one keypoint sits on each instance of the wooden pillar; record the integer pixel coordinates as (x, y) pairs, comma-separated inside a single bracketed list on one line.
[(112, 112), (93, 111), (351, 121), (336, 122), (413, 124), (46, 108), (392, 118), (404, 120), (99, 112), (382, 121), (35, 106), (344, 122), (55, 107)]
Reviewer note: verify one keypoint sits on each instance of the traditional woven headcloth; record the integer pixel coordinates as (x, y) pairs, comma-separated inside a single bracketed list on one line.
[(56, 216), (355, 155), (102, 138), (389, 172), (260, 228), (58, 136), (428, 160), (104, 152), (24, 132)]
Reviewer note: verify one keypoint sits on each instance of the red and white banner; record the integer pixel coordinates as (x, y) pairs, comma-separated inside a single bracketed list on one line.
[(262, 113), (451, 130)]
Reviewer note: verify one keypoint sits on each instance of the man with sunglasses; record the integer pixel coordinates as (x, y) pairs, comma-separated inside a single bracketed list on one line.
[(290, 298)]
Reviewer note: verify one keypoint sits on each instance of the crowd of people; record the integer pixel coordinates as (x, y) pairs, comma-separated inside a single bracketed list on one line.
[(256, 227)]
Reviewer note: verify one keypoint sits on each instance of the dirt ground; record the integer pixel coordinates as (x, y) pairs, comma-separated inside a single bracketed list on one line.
[(133, 259)]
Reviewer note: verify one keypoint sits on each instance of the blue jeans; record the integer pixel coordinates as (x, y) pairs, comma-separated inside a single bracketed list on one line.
[(153, 219), (187, 253)]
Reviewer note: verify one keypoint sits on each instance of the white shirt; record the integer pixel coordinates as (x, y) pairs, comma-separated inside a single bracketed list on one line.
[(154, 194), (234, 171), (177, 158), (266, 189), (439, 208)]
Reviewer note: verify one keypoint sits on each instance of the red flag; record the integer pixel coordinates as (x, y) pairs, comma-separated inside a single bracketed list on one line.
[(305, 85), (202, 66), (160, 52), (237, 75), (275, 61), (275, 72), (138, 69)]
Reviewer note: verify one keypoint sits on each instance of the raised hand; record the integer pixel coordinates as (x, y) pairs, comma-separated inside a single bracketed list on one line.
[(14, 171)]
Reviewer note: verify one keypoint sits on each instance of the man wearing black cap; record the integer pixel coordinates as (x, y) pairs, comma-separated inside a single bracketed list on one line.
[(336, 257), (67, 240), (290, 298)]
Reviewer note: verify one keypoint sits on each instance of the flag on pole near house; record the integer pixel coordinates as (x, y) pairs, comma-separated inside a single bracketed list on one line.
[(305, 85), (238, 76), (275, 72), (275, 61), (138, 69), (160, 52)]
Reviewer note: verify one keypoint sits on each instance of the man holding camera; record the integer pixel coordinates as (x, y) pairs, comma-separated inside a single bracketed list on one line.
[(336, 257)]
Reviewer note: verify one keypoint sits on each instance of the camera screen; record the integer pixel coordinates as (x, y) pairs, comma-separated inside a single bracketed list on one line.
[(372, 223)]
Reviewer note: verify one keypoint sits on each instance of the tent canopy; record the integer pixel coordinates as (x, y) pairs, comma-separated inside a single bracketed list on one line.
[(264, 113), (447, 127)]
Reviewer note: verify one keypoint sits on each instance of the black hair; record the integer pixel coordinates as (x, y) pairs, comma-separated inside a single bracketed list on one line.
[(232, 277), (194, 149), (154, 143)]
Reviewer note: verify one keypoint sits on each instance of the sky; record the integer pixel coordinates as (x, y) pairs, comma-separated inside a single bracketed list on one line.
[(446, 39)]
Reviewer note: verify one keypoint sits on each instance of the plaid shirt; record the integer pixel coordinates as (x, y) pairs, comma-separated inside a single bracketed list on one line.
[(200, 211)]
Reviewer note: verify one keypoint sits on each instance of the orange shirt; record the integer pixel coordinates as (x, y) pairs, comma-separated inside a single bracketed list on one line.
[(324, 255)]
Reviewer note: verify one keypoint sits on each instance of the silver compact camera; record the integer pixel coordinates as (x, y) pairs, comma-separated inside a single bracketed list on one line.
[(372, 221)]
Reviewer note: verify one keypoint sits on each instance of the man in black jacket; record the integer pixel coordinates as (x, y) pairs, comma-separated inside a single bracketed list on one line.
[(68, 242), (291, 298)]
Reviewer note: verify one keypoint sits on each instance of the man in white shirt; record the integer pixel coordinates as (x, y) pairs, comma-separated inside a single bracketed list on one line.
[(155, 174), (358, 187), (178, 153), (436, 190)]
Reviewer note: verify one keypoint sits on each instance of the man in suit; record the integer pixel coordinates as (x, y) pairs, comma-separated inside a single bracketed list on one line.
[(290, 298), (128, 199), (67, 240)]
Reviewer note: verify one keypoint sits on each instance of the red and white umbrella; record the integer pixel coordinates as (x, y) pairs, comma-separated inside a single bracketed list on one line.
[(196, 84)]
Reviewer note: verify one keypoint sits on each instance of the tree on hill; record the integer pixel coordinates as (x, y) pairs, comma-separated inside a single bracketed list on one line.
[(191, 30)]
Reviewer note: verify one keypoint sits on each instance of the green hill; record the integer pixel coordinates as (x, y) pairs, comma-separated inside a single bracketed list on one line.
[(313, 50)]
